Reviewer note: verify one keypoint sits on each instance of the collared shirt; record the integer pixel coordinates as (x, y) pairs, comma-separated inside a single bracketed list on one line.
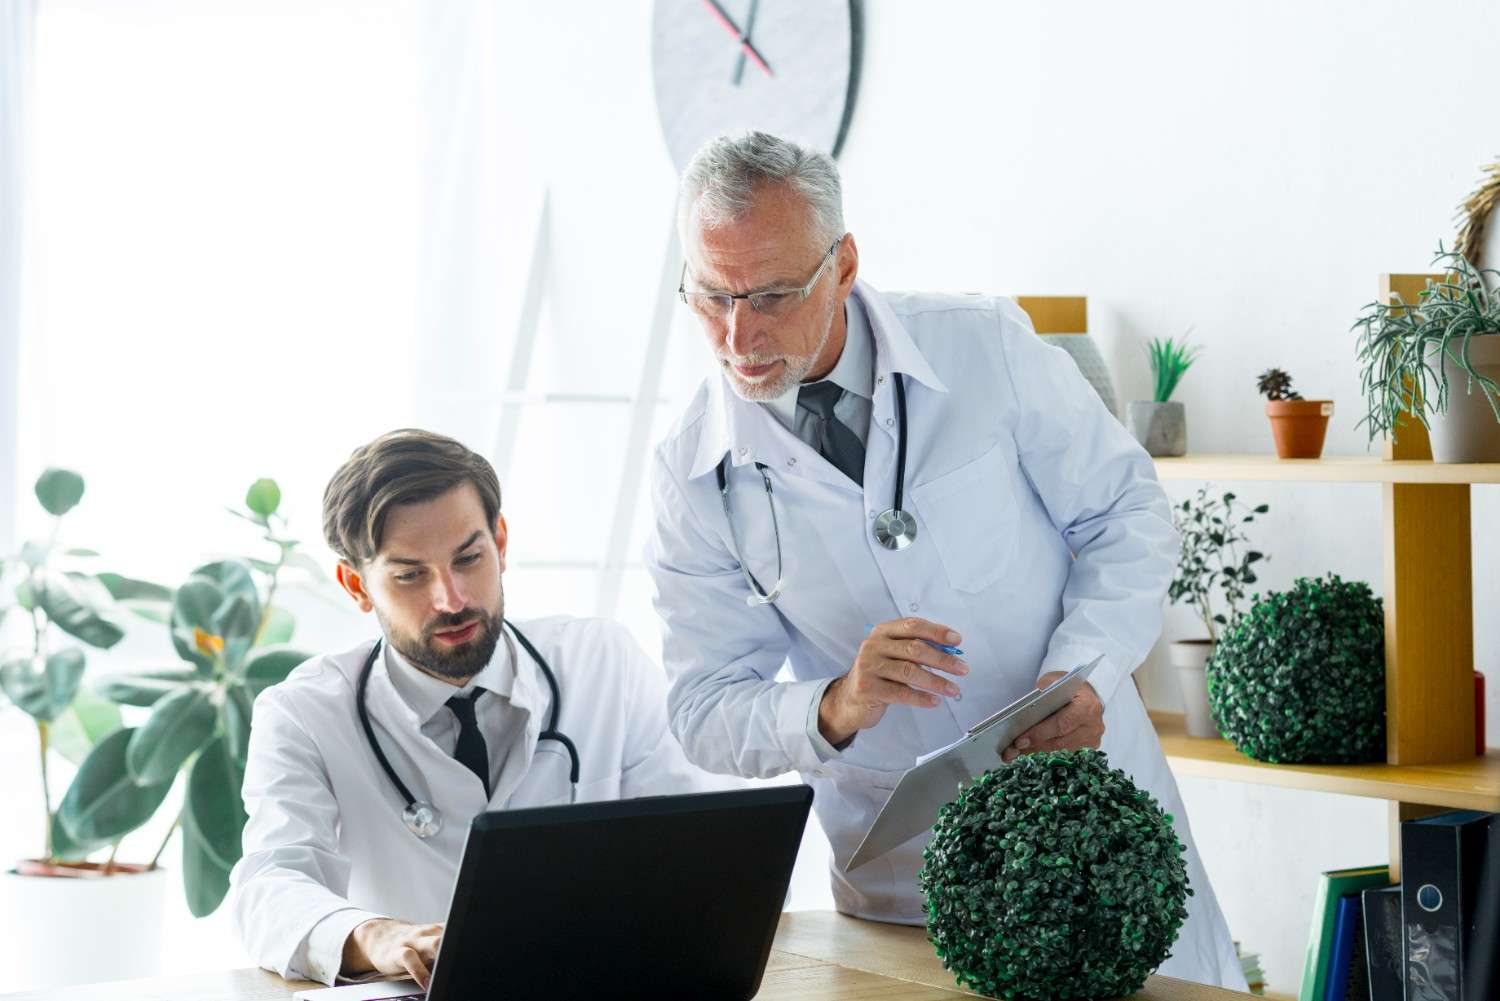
[(428, 698), (854, 373)]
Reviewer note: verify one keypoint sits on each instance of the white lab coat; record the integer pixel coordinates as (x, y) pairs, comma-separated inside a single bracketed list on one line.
[(1014, 468), (325, 835)]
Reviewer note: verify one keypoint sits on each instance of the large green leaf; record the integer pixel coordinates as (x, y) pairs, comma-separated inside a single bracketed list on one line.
[(68, 848), (264, 497), (59, 490), (179, 725), (193, 608), (46, 694), (231, 577), (128, 588), (280, 624), (104, 803), (268, 665), (237, 622), (89, 720), (204, 880), (214, 804), (238, 707), (67, 608), (144, 688)]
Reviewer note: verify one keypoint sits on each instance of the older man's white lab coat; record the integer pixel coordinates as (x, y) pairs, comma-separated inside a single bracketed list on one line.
[(1043, 537)]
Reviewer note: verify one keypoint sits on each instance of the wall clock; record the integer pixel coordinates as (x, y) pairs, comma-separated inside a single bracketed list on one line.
[(788, 67)]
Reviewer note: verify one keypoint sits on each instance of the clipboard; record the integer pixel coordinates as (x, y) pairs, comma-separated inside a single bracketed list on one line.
[(935, 779)]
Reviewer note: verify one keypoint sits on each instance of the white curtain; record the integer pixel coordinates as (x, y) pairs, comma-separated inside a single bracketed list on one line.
[(17, 18)]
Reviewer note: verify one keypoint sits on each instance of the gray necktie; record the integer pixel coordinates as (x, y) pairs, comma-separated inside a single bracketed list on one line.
[(832, 437)]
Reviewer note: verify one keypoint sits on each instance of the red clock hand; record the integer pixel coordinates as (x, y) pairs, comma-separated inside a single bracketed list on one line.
[(723, 18)]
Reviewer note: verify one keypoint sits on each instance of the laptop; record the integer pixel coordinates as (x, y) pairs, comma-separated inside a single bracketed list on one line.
[(660, 897)]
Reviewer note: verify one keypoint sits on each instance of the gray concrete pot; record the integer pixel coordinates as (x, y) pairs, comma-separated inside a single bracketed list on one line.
[(1468, 431), (1161, 428)]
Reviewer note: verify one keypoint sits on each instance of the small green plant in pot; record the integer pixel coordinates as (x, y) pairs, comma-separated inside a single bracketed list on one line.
[(1160, 424), (228, 638), (1437, 360), (1301, 676), (1297, 425), (1054, 878), (1214, 559)]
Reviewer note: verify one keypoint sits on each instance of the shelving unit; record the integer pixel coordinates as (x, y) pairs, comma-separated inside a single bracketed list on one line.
[(1429, 629)]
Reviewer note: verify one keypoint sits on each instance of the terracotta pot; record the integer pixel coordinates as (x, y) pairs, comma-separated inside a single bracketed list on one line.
[(1299, 426)]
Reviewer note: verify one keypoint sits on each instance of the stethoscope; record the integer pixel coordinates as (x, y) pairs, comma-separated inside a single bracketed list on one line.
[(421, 817), (894, 529)]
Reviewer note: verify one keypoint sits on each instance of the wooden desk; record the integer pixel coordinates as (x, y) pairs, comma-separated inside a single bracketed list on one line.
[(819, 956)]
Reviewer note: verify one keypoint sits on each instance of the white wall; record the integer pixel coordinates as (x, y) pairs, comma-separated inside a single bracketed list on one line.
[(1245, 170)]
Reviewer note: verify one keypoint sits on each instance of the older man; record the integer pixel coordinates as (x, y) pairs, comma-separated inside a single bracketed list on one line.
[(921, 462)]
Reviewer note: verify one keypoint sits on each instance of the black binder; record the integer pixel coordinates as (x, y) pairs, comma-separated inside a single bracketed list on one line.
[(1384, 945), (1450, 869)]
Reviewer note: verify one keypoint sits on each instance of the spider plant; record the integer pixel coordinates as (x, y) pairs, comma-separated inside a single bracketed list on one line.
[(1401, 346)]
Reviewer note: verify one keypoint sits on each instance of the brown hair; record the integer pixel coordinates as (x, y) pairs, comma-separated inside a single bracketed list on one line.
[(408, 466)]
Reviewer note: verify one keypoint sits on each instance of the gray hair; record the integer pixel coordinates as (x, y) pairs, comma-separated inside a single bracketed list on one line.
[(722, 179)]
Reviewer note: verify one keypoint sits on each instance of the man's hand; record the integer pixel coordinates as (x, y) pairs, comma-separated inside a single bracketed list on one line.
[(1078, 724), (890, 669), (383, 945)]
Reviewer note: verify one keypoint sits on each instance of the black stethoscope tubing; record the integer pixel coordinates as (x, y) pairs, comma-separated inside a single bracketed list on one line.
[(551, 733)]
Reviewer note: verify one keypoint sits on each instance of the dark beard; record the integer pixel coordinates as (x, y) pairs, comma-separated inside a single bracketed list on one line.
[(458, 664)]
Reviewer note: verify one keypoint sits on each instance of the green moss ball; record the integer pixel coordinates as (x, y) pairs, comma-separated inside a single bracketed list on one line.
[(1054, 877)]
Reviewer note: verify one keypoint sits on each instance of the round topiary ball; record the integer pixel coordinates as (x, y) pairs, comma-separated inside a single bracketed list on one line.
[(1054, 877), (1301, 676)]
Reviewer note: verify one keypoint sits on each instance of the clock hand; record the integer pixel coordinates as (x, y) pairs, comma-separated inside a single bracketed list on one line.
[(739, 62), (729, 26)]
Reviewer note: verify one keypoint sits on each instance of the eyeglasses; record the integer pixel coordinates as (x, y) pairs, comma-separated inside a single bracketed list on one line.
[(767, 302)]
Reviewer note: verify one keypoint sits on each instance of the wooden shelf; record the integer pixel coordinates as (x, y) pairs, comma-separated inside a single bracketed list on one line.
[(1329, 469), (1473, 784)]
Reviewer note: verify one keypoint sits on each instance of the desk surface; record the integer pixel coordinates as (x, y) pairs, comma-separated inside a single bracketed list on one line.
[(819, 956)]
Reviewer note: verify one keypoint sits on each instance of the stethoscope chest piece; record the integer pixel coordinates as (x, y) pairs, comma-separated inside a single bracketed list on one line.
[(422, 819), (895, 529)]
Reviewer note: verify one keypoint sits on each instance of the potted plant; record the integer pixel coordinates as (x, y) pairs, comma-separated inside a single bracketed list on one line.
[(1160, 424), (1298, 425), (1414, 356), (54, 900), (1301, 676), (232, 642), (1213, 556), (1054, 876)]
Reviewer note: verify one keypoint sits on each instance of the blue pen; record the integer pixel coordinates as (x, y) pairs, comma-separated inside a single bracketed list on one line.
[(950, 650)]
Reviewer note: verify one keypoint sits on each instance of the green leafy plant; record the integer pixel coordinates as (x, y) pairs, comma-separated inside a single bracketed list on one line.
[(232, 644), (45, 680), (1274, 384), (1301, 676), (1170, 361), (1213, 555), (1054, 877), (1401, 346)]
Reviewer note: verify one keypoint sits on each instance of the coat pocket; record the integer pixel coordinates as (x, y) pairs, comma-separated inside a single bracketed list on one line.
[(970, 513)]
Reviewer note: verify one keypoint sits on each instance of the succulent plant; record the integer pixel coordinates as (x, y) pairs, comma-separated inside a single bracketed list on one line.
[(1274, 384)]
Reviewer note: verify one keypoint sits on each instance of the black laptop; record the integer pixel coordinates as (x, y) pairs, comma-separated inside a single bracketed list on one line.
[(663, 897)]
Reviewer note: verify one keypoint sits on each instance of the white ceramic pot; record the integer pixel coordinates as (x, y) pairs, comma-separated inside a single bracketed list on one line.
[(1190, 658), (1468, 431), (76, 930)]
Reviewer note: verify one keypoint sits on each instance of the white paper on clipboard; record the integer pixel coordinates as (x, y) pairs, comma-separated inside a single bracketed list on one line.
[(936, 777)]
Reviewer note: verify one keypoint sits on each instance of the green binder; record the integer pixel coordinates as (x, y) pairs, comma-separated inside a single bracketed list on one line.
[(1332, 886)]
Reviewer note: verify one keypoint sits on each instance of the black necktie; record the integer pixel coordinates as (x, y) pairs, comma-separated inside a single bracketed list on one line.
[(833, 439), (471, 750)]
